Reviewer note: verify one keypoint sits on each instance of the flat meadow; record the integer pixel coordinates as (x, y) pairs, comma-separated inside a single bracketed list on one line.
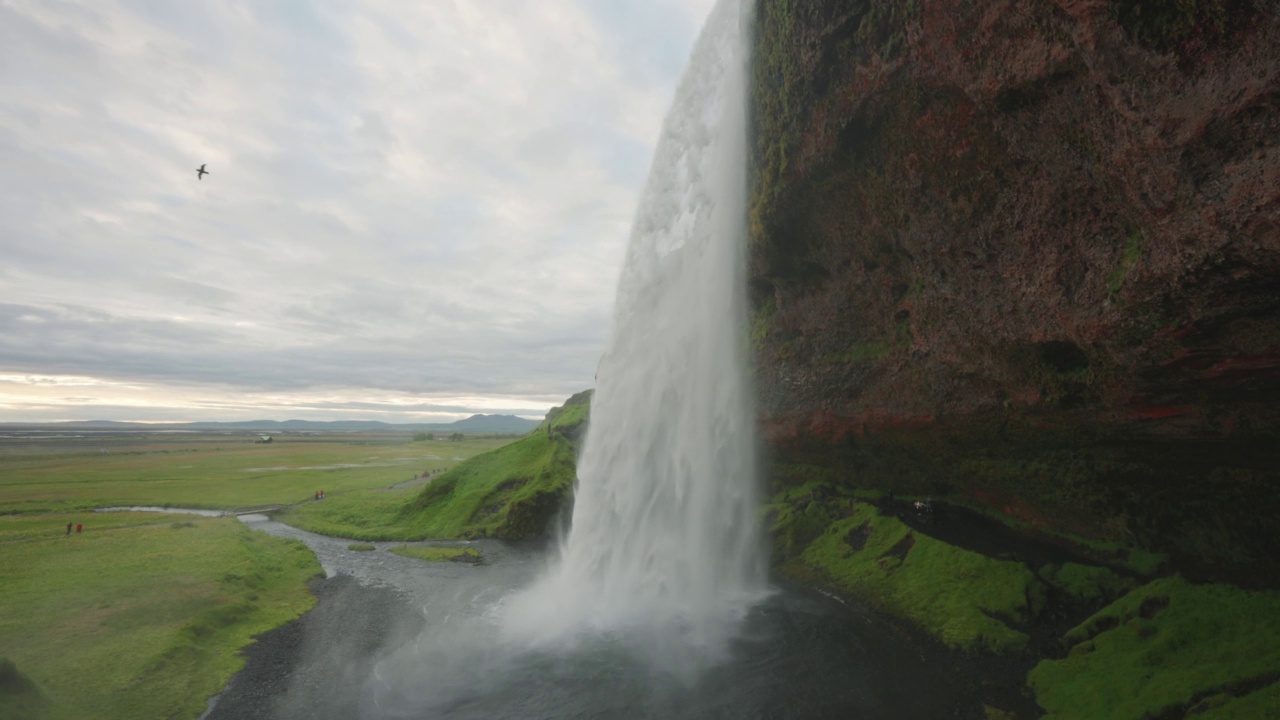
[(209, 470), (144, 614)]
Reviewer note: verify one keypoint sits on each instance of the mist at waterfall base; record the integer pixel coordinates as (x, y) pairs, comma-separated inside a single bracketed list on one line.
[(657, 602)]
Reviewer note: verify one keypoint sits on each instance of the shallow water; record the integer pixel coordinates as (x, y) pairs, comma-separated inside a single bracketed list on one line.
[(155, 509), (442, 654)]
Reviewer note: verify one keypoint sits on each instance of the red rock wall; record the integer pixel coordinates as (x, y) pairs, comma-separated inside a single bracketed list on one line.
[(1027, 253)]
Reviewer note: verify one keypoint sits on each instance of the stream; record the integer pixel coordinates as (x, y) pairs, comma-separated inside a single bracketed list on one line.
[(395, 637)]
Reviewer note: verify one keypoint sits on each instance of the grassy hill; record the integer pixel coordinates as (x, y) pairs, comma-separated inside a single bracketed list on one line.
[(513, 492)]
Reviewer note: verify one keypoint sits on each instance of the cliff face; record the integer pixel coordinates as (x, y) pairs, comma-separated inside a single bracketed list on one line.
[(1027, 254)]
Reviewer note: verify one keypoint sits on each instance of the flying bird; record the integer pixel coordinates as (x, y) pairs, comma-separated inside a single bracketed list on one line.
[(201, 172)]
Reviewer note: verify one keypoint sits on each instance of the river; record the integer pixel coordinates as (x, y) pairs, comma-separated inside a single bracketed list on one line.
[(394, 637)]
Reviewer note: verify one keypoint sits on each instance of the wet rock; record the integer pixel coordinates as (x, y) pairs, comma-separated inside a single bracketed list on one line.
[(1027, 254)]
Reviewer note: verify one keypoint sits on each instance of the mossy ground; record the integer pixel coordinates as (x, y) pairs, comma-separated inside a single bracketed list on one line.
[(966, 600), (1106, 642), (1086, 583), (1169, 649)]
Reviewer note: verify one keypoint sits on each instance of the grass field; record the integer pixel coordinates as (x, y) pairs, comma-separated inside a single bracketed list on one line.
[(360, 515), (213, 470), (143, 615)]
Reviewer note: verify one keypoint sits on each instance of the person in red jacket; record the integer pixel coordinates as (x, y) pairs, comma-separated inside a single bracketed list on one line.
[(79, 527)]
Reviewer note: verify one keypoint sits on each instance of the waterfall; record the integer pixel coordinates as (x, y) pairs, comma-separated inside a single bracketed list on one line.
[(665, 545)]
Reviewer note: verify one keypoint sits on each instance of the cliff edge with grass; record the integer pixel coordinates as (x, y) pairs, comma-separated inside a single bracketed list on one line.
[(516, 492)]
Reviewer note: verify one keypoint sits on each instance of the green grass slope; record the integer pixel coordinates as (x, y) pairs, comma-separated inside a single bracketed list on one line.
[(511, 493)]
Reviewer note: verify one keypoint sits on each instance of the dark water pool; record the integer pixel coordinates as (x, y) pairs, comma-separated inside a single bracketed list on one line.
[(399, 638)]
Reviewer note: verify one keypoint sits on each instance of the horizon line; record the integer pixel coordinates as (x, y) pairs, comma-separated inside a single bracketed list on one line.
[(264, 420)]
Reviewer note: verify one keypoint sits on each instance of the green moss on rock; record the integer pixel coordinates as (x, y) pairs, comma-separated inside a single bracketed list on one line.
[(1086, 583), (1164, 649), (966, 600)]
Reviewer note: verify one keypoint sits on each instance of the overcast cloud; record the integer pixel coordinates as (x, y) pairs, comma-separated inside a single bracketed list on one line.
[(416, 210)]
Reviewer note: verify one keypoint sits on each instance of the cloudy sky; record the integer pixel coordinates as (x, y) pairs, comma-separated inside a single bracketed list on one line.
[(416, 209)]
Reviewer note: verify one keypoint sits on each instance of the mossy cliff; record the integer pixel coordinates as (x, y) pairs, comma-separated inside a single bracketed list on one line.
[(1026, 256), (1024, 259)]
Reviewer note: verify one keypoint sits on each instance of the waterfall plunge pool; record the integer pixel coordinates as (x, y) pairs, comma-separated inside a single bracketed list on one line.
[(394, 637)]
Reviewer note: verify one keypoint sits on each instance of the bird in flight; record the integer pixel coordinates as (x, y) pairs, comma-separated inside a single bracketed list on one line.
[(201, 172)]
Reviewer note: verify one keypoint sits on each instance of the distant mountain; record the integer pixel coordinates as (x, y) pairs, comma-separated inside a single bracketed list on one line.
[(497, 424), (492, 424)]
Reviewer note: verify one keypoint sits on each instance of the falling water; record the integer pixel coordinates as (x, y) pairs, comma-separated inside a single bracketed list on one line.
[(657, 605), (665, 540)]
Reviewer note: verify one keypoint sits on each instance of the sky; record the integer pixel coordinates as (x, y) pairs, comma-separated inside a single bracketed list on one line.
[(416, 210)]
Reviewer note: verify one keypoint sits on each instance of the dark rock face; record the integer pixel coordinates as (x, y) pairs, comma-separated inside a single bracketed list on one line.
[(1028, 254)]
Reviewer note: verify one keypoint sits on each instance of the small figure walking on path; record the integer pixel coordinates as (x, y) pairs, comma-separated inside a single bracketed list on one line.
[(79, 528), (68, 529), (321, 494)]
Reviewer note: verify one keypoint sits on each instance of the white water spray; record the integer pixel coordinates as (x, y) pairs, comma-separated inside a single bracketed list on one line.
[(665, 543)]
